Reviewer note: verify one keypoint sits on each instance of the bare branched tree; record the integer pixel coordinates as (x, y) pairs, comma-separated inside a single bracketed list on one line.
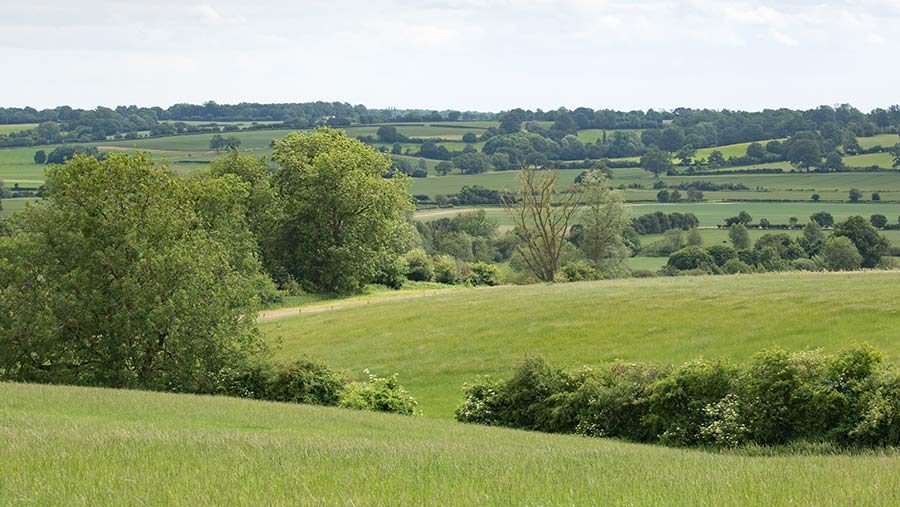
[(541, 225)]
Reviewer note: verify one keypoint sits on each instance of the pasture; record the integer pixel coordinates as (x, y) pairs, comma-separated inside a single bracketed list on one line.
[(16, 127), (712, 214), (87, 446), (439, 342)]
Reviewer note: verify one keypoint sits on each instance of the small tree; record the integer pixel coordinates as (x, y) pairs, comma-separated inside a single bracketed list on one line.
[(839, 254), (656, 161), (876, 196), (739, 236), (663, 196), (895, 154), (40, 157), (694, 238), (694, 195), (715, 159), (675, 196), (823, 218), (855, 195), (603, 221), (815, 197), (540, 225), (878, 221)]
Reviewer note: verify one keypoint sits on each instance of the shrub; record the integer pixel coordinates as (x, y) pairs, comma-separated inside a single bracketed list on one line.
[(419, 267), (677, 403), (691, 257), (391, 273), (721, 254), (805, 265), (578, 271), (839, 254), (780, 398), (484, 274), (305, 381), (378, 394), (446, 270)]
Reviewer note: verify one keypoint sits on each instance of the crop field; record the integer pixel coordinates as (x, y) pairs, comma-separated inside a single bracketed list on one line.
[(439, 342), (87, 446)]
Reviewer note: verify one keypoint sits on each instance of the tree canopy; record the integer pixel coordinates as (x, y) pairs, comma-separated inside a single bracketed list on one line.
[(341, 219)]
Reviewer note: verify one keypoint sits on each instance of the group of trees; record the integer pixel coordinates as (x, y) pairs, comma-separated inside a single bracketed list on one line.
[(853, 244), (127, 275)]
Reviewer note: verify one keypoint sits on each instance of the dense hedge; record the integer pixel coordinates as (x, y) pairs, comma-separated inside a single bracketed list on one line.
[(848, 400), (313, 383)]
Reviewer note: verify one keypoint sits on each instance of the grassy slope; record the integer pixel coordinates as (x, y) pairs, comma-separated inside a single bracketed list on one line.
[(78, 446), (437, 343)]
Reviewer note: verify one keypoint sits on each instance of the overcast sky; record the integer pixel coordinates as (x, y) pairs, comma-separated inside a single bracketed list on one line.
[(484, 55)]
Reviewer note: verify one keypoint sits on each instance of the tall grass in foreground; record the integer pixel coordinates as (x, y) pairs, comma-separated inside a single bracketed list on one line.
[(81, 446)]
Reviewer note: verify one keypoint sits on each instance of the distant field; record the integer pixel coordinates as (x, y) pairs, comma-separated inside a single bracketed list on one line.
[(591, 135), (8, 129), (789, 186), (10, 206), (712, 214), (883, 140), (730, 150), (439, 342), (82, 446)]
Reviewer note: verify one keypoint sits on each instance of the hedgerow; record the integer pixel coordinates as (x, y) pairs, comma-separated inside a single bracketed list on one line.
[(851, 399)]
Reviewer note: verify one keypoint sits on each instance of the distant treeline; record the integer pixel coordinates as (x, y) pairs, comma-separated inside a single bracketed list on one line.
[(668, 130)]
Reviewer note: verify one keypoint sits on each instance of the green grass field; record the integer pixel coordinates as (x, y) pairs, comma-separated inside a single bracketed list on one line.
[(439, 342), (8, 129), (10, 206), (712, 214), (883, 140), (81, 446)]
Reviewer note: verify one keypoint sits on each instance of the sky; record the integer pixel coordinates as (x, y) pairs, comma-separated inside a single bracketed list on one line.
[(485, 55)]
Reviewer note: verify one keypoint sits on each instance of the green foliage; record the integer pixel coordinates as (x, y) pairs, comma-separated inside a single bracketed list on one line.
[(603, 222), (340, 218), (839, 254), (379, 394), (846, 400), (656, 161), (736, 266), (419, 267), (691, 257), (578, 271), (871, 245), (483, 273), (127, 276), (739, 236), (446, 269), (305, 381)]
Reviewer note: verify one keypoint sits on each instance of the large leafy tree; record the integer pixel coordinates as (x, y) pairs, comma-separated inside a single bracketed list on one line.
[(341, 219), (870, 244), (127, 276)]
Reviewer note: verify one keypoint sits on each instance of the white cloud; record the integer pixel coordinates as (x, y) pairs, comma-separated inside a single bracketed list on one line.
[(487, 54)]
